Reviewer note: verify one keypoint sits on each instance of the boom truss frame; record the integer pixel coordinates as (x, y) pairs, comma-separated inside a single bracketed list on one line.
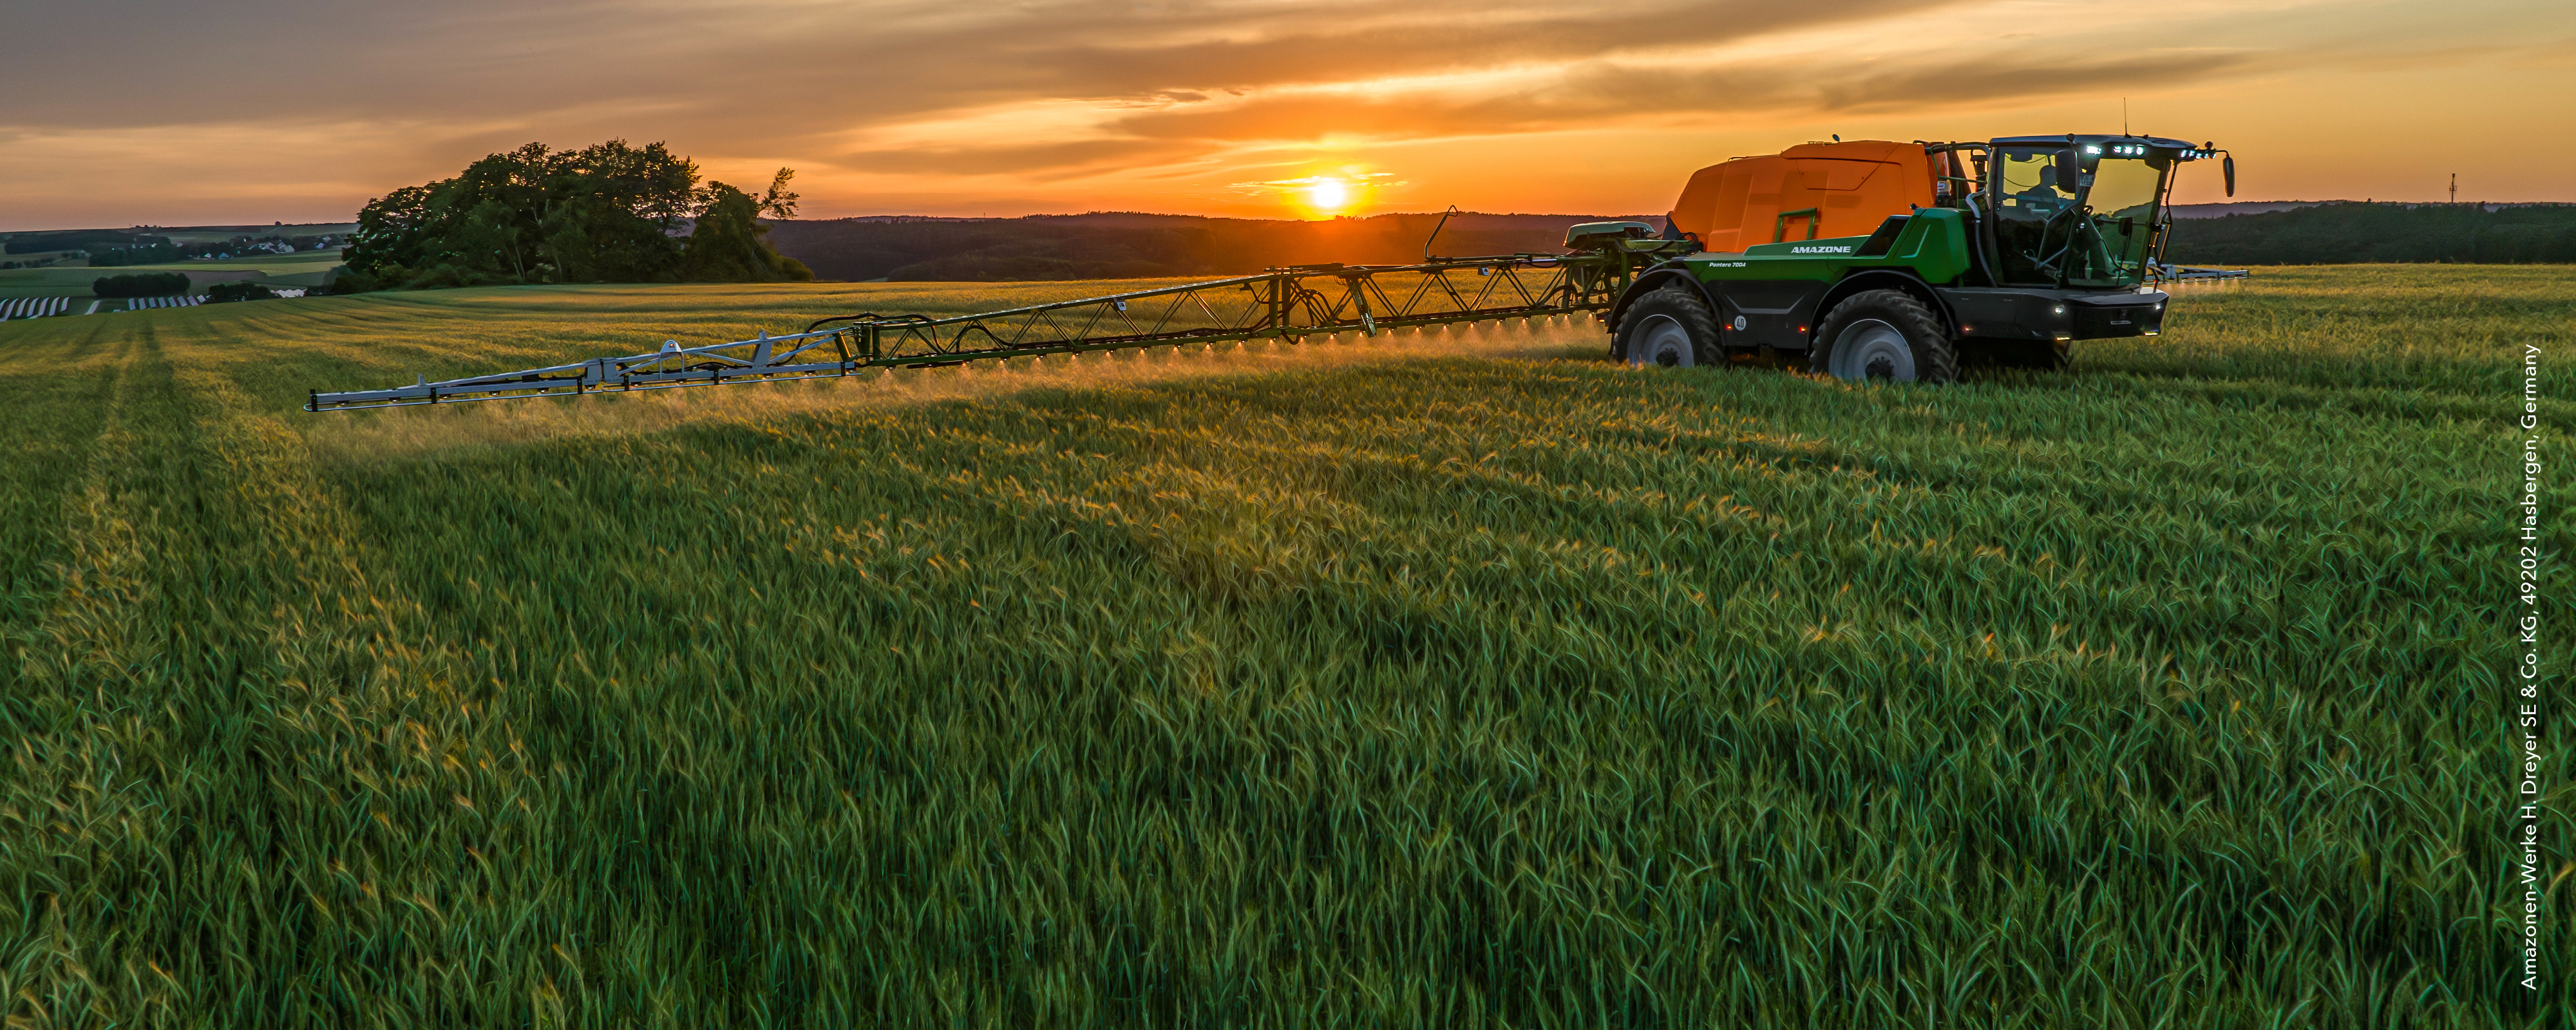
[(1285, 304)]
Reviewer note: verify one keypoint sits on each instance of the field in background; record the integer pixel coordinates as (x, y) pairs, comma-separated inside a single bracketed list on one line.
[(1438, 679), (306, 269)]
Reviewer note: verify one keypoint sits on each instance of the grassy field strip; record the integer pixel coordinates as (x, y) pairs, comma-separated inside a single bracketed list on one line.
[(261, 593), (73, 794), (96, 792), (1437, 680)]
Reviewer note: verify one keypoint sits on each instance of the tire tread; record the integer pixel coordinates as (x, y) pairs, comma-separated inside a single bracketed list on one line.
[(1683, 306)]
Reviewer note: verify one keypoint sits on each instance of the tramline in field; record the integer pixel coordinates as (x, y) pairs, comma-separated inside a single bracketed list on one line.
[(2049, 240)]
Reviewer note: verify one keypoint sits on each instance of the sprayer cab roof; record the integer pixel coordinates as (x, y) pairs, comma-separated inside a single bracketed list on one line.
[(2178, 150)]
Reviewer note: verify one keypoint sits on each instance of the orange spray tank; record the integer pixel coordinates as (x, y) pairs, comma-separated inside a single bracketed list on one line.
[(1810, 191)]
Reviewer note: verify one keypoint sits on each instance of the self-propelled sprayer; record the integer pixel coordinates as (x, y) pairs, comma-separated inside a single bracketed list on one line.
[(1866, 260)]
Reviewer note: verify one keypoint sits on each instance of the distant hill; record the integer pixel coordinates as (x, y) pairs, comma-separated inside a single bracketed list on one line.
[(66, 240), (1122, 245), (2348, 232), (2243, 207)]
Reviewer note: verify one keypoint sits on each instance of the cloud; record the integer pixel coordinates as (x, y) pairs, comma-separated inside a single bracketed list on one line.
[(1060, 159), (1367, 40), (895, 96), (1969, 82), (1587, 95), (770, 71)]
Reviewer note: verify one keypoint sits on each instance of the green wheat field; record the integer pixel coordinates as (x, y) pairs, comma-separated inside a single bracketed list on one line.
[(1437, 679)]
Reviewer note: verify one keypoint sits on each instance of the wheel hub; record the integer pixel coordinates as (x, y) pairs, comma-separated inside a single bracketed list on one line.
[(1872, 349), (1662, 342)]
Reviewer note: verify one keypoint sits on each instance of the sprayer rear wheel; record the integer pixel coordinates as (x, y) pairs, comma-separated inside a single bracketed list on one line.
[(1667, 328)]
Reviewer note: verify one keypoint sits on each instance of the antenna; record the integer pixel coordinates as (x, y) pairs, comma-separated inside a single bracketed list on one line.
[(2124, 117)]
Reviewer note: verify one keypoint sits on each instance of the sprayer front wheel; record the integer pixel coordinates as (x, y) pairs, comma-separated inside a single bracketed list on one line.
[(1667, 328), (1884, 335)]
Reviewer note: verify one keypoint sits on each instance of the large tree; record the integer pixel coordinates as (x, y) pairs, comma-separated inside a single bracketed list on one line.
[(612, 212), (730, 245)]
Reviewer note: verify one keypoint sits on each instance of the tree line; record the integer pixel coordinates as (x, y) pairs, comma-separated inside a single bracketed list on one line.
[(140, 284), (611, 212), (2347, 233)]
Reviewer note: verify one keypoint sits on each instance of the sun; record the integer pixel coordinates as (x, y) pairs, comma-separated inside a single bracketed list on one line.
[(1328, 196), (1334, 194)]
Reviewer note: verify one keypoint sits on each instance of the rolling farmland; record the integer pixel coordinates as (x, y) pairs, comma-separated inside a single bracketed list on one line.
[(1445, 679), (308, 269)]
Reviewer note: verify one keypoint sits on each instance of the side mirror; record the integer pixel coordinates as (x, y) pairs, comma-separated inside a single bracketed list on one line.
[(2070, 171), (2228, 166)]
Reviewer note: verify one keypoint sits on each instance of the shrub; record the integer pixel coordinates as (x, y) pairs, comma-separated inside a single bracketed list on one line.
[(226, 293), (141, 284)]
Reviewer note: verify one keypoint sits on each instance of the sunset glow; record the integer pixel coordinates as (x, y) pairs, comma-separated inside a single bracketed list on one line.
[(1328, 196), (1250, 108)]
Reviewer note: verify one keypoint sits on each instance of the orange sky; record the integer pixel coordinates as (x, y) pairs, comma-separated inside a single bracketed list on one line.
[(162, 112)]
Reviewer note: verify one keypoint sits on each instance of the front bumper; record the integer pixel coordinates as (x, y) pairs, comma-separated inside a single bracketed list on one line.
[(2044, 314)]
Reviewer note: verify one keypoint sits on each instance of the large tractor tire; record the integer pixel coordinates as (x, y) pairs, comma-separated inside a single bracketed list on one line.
[(1668, 328), (1883, 334)]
